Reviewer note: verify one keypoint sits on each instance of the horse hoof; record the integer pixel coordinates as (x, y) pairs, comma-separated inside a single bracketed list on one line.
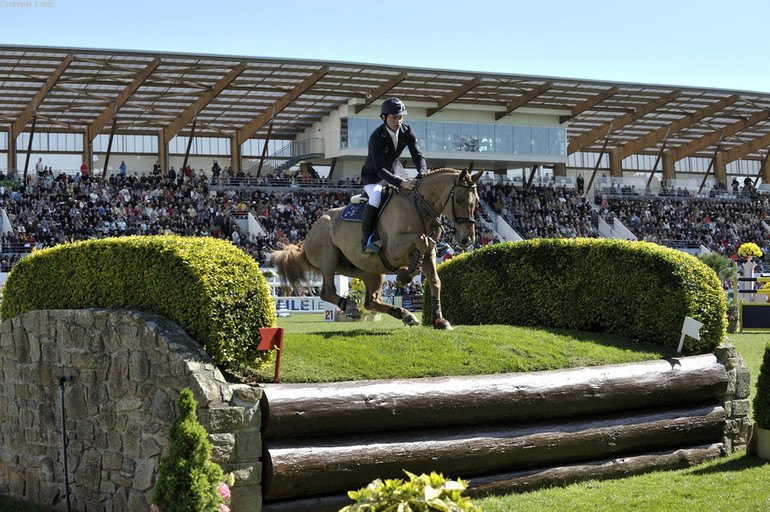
[(411, 320), (443, 324)]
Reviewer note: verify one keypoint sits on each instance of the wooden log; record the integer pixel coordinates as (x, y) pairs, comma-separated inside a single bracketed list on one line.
[(535, 479), (370, 406), (301, 468), (524, 481)]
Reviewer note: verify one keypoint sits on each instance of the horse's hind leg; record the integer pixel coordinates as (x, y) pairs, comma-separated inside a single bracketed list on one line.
[(373, 301), (329, 294)]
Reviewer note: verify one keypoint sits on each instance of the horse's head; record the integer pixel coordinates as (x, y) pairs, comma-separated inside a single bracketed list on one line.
[(460, 206)]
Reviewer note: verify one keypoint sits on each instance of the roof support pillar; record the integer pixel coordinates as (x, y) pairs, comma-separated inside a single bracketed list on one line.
[(560, 169), (88, 151), (162, 151), (29, 148), (235, 153), (720, 173), (668, 166), (11, 149), (616, 168)]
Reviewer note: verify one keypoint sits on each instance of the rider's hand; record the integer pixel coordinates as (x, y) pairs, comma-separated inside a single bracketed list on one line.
[(408, 184)]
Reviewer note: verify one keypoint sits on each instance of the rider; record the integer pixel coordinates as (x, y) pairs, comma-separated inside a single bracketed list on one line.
[(382, 165)]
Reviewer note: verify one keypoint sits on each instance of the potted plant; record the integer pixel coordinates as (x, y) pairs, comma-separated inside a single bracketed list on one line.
[(761, 431)]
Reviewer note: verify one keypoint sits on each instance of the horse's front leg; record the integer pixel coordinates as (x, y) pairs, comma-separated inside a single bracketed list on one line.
[(431, 275), (412, 246), (373, 301)]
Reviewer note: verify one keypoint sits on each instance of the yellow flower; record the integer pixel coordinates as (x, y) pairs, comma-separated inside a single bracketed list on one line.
[(749, 250)]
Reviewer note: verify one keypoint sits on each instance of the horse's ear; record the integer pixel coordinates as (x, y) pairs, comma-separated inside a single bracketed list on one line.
[(463, 174), (475, 178)]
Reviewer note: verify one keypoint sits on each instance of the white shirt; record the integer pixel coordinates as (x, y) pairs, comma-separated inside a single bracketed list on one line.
[(393, 135)]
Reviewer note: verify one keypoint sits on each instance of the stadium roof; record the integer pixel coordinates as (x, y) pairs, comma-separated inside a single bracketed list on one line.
[(78, 90)]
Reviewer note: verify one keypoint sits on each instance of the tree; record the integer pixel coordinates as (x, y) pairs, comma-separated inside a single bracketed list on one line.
[(187, 478)]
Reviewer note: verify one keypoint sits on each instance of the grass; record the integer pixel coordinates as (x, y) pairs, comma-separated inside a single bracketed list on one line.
[(317, 351)]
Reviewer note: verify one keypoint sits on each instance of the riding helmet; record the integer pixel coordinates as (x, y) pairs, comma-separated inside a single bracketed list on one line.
[(393, 106)]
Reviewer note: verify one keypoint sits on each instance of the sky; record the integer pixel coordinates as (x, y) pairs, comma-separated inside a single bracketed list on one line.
[(705, 44)]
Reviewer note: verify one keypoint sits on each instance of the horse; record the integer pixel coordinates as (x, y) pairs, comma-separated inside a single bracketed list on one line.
[(408, 225)]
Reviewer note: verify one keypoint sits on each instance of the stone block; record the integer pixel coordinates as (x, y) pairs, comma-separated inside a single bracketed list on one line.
[(138, 366), (245, 473), (248, 445), (112, 461), (219, 419), (143, 476), (246, 499), (137, 502), (222, 447)]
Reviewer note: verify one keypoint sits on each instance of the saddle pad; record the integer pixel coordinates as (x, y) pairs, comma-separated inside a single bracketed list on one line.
[(354, 212)]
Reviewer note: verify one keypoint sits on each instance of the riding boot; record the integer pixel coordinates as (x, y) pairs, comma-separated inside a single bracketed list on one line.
[(369, 243)]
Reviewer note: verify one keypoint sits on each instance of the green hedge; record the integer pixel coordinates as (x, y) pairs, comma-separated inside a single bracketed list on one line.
[(212, 289), (634, 289)]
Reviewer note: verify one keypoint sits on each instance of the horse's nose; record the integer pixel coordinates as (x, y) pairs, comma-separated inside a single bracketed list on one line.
[(465, 242)]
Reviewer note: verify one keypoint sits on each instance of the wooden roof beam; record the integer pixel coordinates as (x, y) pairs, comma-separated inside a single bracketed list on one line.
[(743, 150), (253, 126), (590, 102), (108, 113), (380, 91), (652, 138), (597, 133), (712, 138), (170, 131), (523, 100), (26, 114), (452, 96)]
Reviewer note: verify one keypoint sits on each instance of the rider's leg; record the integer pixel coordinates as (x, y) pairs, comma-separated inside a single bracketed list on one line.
[(369, 242)]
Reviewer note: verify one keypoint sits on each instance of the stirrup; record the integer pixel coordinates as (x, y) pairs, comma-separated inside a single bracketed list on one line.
[(441, 249), (372, 245)]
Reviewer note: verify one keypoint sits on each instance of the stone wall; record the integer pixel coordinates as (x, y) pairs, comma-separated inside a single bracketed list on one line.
[(127, 370)]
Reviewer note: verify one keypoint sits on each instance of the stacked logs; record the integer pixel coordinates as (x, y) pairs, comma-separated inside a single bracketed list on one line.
[(502, 432)]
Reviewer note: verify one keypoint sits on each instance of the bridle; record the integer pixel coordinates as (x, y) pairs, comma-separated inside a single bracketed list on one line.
[(422, 204)]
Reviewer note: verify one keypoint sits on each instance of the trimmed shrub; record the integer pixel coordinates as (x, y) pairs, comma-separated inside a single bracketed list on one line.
[(188, 480), (638, 290), (422, 493), (761, 401), (212, 289)]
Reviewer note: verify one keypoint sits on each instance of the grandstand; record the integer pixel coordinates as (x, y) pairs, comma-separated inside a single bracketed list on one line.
[(275, 142)]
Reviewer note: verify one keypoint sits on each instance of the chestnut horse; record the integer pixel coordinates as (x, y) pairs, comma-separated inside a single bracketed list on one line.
[(409, 225)]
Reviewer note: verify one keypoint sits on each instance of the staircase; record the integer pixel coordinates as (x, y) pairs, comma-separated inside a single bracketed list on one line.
[(291, 154)]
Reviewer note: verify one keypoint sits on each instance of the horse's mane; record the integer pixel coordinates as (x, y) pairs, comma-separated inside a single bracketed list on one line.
[(441, 170)]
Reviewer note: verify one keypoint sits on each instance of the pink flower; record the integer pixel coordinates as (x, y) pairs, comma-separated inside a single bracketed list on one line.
[(223, 508), (224, 491), (154, 508)]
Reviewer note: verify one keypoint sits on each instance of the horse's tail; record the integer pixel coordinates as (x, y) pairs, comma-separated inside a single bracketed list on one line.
[(291, 262)]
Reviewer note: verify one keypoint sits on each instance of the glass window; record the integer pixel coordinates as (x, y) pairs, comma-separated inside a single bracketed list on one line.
[(434, 138), (469, 137), (486, 138), (504, 138), (4, 141), (539, 140), (419, 130), (358, 136), (557, 141), (522, 140), (343, 133)]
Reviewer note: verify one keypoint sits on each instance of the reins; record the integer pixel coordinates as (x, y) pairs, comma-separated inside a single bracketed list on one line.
[(422, 205)]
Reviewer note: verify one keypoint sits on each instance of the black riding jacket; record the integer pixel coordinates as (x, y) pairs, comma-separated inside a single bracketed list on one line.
[(382, 162)]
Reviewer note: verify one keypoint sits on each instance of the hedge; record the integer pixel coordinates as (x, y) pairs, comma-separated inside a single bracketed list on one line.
[(637, 290), (212, 289)]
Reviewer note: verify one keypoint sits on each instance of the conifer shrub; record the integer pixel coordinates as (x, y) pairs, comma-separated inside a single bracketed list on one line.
[(188, 480), (761, 401), (638, 290), (212, 289)]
